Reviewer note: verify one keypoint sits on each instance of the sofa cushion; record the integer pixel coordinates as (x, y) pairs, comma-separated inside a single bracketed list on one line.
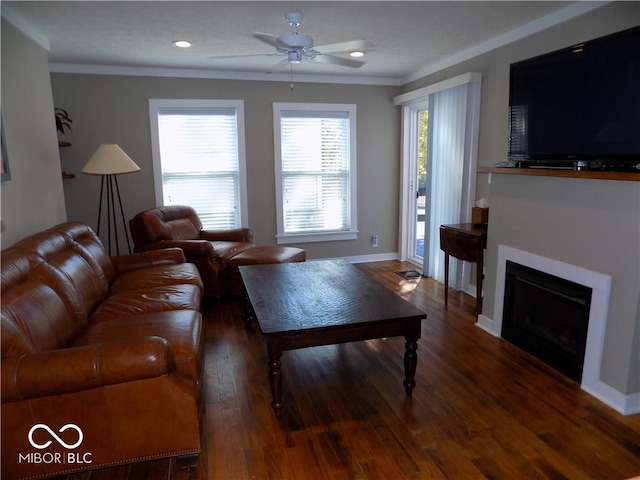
[(160, 299), (182, 229), (181, 329), (55, 261), (49, 327), (25, 328), (157, 276), (82, 240)]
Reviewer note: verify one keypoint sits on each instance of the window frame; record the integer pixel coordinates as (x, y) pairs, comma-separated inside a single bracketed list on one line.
[(155, 106), (325, 236)]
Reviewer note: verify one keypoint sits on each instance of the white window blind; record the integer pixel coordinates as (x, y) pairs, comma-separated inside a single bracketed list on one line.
[(200, 161), (315, 168)]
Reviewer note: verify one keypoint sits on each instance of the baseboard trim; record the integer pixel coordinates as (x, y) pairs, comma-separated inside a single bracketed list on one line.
[(377, 257), (626, 404), (487, 324)]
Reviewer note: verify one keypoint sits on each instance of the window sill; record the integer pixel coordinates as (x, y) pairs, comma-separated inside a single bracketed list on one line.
[(283, 239)]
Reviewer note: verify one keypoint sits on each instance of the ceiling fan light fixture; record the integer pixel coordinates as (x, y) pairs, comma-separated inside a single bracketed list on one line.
[(295, 56), (182, 43), (357, 54)]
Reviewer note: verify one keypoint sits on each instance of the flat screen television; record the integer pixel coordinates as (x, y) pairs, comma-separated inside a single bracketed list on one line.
[(578, 107)]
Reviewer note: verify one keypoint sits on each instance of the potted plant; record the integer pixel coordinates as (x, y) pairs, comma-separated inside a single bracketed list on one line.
[(62, 121)]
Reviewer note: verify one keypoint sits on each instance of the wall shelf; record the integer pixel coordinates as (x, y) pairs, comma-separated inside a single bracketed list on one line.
[(551, 172)]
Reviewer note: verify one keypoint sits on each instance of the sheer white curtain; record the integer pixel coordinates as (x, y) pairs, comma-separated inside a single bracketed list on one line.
[(452, 157)]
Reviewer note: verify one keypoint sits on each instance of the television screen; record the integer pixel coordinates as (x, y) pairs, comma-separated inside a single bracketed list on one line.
[(580, 103)]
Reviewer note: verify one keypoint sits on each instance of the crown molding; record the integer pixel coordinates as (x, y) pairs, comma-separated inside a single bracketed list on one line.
[(563, 15), (17, 21), (217, 74)]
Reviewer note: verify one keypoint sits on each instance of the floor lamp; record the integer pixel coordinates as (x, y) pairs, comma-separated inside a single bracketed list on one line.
[(108, 161)]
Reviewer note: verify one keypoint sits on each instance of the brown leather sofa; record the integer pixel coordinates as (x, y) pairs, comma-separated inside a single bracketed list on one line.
[(101, 356), (180, 226)]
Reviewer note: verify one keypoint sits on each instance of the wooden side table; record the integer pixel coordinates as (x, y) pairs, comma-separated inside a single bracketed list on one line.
[(465, 241)]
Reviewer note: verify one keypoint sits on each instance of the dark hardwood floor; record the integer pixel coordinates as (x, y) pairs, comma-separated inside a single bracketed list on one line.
[(481, 409)]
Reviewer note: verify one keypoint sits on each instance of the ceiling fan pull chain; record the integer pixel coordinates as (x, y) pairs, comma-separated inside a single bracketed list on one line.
[(291, 70)]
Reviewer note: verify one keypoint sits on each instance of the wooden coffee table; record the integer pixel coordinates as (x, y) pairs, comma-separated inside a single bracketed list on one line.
[(300, 305)]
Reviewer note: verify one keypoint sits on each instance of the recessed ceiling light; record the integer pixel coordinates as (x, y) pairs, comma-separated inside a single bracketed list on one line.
[(357, 54), (182, 43)]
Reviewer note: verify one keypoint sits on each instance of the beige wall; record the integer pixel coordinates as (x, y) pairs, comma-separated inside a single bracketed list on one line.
[(33, 199), (590, 223), (115, 109)]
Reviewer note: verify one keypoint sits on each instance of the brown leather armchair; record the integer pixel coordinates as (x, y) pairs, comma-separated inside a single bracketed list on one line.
[(180, 226)]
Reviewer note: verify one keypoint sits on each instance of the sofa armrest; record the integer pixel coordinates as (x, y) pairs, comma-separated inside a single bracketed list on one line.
[(163, 256), (232, 235), (82, 368), (191, 248)]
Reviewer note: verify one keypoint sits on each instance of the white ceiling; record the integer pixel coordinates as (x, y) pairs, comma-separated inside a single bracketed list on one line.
[(411, 38)]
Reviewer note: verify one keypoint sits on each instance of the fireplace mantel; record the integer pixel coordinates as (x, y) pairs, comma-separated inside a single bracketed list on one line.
[(551, 172)]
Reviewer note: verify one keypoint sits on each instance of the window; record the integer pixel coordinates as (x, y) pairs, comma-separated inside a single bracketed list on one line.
[(199, 158), (315, 164)]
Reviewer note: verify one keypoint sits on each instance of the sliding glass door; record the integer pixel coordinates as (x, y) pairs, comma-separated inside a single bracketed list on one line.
[(440, 138), (420, 181)]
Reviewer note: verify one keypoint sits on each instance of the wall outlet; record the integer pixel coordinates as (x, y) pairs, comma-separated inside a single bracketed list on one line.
[(374, 240)]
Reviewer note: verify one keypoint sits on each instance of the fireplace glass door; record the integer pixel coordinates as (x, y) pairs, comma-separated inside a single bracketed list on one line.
[(547, 316)]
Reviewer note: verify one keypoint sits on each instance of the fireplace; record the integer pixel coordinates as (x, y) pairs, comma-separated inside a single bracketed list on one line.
[(600, 285), (547, 316)]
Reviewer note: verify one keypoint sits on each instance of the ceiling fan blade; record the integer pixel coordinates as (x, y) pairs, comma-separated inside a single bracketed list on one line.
[(267, 38), (344, 47), (222, 57), (279, 66), (343, 62)]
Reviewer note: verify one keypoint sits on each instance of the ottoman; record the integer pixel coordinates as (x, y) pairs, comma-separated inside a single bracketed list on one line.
[(260, 256)]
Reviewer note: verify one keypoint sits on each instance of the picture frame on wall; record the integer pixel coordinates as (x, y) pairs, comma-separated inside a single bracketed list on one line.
[(4, 161)]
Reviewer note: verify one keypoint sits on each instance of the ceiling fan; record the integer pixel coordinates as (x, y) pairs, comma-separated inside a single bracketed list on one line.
[(294, 47)]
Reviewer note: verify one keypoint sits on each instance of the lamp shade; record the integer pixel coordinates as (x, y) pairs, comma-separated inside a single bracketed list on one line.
[(109, 159)]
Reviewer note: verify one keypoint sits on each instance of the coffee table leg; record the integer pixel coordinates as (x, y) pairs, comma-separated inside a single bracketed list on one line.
[(275, 381), (410, 363), (248, 311)]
